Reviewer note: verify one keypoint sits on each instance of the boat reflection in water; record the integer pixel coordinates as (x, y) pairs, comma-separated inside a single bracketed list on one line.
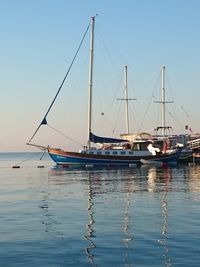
[(118, 209)]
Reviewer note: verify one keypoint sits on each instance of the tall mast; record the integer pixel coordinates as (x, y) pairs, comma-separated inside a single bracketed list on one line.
[(163, 100), (126, 98), (92, 22), (163, 103)]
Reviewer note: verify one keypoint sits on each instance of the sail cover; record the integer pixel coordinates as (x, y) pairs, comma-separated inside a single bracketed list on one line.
[(99, 139)]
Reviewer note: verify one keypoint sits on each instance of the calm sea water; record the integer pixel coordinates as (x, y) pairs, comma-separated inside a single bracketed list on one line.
[(108, 217)]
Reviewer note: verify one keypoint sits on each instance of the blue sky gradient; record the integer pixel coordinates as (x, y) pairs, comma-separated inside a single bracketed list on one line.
[(40, 38)]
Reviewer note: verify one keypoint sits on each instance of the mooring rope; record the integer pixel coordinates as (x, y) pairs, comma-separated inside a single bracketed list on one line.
[(75, 141), (32, 156)]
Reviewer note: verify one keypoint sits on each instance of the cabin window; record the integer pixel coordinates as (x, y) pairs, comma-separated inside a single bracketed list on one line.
[(99, 153), (114, 152), (140, 146), (136, 146), (91, 152), (144, 146), (159, 144), (107, 153), (130, 153), (123, 153)]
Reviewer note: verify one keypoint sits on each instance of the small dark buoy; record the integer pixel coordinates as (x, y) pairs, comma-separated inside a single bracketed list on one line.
[(40, 166), (16, 167)]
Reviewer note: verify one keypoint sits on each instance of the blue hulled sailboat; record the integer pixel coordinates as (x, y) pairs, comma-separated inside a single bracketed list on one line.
[(112, 151)]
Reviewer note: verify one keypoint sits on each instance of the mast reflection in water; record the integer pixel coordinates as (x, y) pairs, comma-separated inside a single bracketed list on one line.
[(164, 180), (89, 226)]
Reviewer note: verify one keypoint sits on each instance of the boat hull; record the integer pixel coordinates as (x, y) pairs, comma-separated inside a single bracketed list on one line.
[(76, 158)]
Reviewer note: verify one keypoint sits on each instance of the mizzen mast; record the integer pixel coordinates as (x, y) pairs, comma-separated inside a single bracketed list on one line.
[(163, 103), (126, 98)]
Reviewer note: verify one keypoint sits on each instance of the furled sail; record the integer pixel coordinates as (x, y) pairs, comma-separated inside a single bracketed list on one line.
[(100, 139)]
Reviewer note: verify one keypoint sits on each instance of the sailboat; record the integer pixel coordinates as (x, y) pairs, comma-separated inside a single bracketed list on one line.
[(112, 151)]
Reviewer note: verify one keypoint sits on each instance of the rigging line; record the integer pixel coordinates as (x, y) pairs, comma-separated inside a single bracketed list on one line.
[(150, 102), (132, 113), (117, 118), (170, 87), (43, 154), (117, 90), (32, 156), (44, 119), (173, 107), (175, 119), (64, 135), (145, 113), (187, 115)]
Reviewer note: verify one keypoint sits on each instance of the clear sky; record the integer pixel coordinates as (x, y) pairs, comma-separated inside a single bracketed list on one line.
[(39, 39)]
